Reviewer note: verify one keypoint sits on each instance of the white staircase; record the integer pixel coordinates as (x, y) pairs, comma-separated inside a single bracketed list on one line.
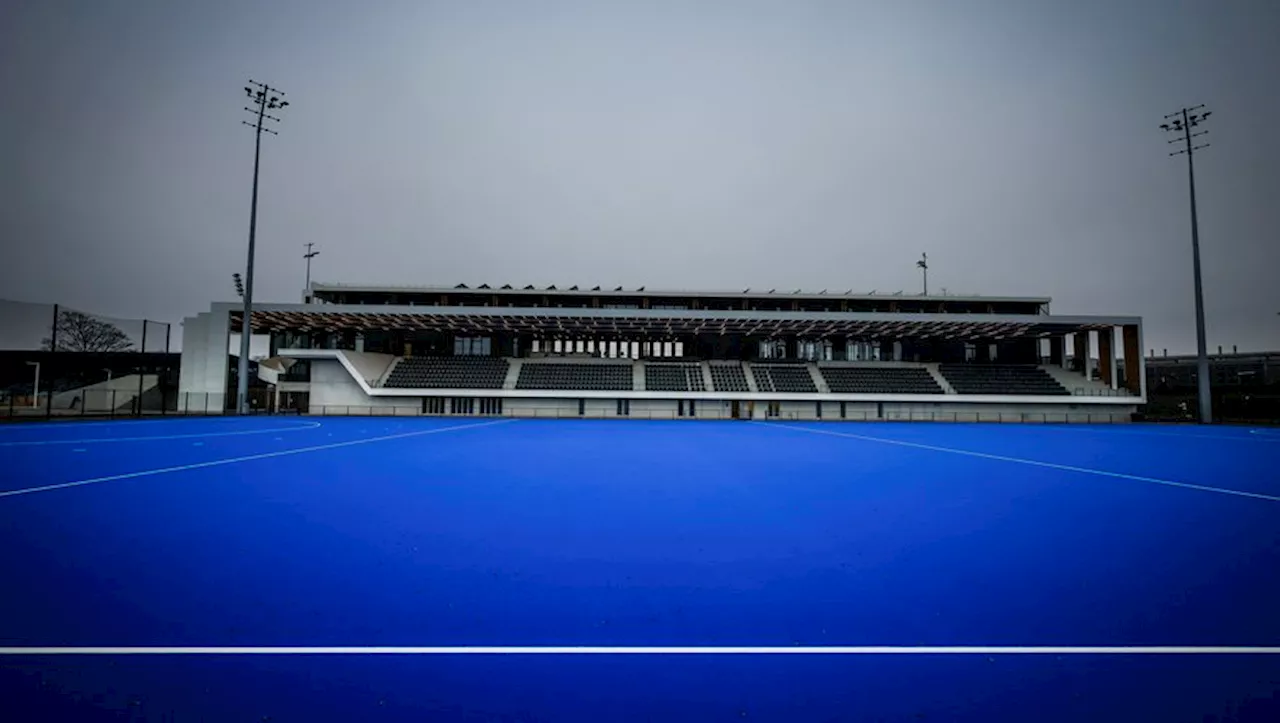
[(819, 381), (382, 380), (637, 376), (941, 380), (705, 368), (1078, 385), (513, 373), (750, 374)]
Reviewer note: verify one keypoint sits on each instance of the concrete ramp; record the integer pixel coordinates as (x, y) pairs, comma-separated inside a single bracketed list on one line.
[(116, 394)]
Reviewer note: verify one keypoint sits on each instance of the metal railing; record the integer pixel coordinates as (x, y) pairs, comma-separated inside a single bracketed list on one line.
[(1103, 392), (112, 404), (716, 414)]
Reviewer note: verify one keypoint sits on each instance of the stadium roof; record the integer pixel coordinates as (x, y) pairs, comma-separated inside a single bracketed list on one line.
[(633, 322), (554, 290)]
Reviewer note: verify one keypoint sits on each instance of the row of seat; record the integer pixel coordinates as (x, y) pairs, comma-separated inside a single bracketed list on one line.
[(729, 378), (491, 373), (1001, 379), (880, 380), (779, 378), (673, 378), (570, 376), (448, 373)]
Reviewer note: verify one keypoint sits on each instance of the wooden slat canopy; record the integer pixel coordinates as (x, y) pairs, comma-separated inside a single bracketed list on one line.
[(966, 327)]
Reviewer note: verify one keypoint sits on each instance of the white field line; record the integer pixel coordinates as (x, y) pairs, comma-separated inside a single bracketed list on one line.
[(1030, 462), (246, 458), (655, 650)]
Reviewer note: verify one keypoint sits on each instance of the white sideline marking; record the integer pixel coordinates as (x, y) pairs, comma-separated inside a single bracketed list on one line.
[(656, 650), (160, 437), (132, 422), (1145, 432), (247, 458), (1031, 462)]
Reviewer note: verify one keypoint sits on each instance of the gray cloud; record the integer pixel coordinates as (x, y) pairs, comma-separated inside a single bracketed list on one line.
[(724, 145)]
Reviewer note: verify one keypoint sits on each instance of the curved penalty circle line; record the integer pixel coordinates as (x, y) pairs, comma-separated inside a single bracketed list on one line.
[(161, 437), (653, 650)]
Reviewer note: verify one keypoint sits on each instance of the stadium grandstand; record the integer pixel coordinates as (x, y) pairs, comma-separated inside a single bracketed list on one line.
[(598, 353)]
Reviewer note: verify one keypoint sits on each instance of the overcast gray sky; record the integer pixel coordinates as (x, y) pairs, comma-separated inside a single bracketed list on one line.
[(713, 144)]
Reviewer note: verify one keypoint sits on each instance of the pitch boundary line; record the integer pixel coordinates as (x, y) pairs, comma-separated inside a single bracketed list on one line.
[(653, 650), (246, 458), (161, 437), (1030, 462)]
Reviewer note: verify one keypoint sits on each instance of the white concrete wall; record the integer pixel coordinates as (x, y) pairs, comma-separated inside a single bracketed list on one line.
[(333, 390), (191, 363), (1036, 413), (370, 364), (202, 373), (654, 409), (552, 408), (193, 360), (716, 409), (116, 393)]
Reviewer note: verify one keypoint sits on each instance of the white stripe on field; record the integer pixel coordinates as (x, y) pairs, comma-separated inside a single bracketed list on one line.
[(658, 650), (247, 458), (1031, 462), (161, 437)]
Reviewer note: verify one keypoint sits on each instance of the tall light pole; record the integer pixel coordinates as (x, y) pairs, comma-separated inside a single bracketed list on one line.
[(1182, 125), (308, 256), (923, 263), (263, 98)]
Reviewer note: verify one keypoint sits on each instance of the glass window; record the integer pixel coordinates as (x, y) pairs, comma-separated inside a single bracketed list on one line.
[(472, 346)]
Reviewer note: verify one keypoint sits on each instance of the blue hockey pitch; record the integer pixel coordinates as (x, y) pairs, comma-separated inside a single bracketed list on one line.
[(381, 569)]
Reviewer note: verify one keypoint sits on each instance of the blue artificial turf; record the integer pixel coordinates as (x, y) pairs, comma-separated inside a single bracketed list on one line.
[(639, 533)]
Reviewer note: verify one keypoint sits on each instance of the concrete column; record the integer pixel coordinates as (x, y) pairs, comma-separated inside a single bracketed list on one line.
[(1081, 340), (1055, 350), (1132, 358), (1107, 357)]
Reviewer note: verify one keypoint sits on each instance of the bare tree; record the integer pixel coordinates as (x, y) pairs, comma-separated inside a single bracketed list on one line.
[(77, 331)]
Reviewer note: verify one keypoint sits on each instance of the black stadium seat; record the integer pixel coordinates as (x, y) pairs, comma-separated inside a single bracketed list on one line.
[(783, 378), (879, 380), (668, 377), (613, 376), (1021, 379), (728, 378), (448, 373)]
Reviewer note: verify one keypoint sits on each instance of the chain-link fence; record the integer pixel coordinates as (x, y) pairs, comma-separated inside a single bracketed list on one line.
[(111, 403)]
